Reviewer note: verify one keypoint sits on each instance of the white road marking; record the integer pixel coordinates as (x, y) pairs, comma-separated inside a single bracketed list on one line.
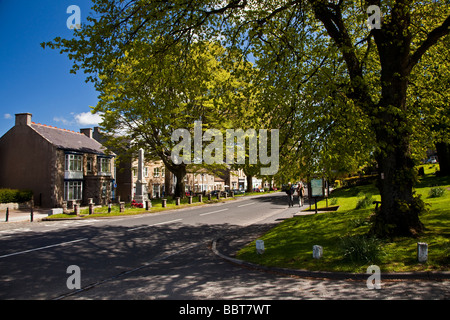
[(247, 204), (205, 214), (41, 248), (156, 224)]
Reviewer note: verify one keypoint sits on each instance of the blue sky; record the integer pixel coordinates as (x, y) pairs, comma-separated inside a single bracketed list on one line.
[(35, 80)]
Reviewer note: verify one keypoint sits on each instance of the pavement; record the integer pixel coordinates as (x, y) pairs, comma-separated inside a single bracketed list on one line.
[(23, 215)]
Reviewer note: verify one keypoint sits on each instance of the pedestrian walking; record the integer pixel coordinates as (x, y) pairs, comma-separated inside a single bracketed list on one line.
[(300, 192), (290, 193)]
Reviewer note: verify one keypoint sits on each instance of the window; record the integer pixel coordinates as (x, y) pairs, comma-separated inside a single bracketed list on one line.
[(156, 172), (73, 190), (156, 191), (104, 188), (74, 162), (90, 164), (163, 172), (104, 165), (146, 172)]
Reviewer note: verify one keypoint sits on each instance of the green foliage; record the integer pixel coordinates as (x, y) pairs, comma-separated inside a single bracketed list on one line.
[(15, 196), (436, 192), (361, 249), (364, 202), (339, 93)]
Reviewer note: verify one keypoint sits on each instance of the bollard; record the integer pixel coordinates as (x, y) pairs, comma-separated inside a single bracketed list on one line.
[(209, 197), (91, 208), (109, 206), (190, 199), (164, 203), (64, 207), (226, 195), (218, 195), (200, 198), (232, 194), (122, 206), (177, 201), (422, 252), (260, 246), (76, 209), (317, 252), (148, 204), (31, 214), (7, 215)]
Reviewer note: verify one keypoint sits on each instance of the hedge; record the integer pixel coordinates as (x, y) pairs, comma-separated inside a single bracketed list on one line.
[(15, 196)]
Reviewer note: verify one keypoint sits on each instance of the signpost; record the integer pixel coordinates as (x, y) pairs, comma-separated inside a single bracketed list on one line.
[(316, 190)]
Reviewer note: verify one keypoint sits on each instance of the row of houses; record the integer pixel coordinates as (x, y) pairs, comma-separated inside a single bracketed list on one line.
[(61, 166)]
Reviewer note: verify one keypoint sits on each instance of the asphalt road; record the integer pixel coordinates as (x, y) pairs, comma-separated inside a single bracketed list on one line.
[(168, 256)]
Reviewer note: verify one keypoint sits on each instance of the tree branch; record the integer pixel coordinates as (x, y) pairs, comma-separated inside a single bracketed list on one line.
[(431, 39)]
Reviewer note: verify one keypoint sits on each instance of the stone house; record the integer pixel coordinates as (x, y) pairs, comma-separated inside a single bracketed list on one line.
[(58, 165)]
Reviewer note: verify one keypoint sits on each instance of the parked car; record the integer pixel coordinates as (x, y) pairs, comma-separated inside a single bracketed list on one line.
[(432, 159)]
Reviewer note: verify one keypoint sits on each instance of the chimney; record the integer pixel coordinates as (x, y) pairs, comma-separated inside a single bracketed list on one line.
[(87, 132), (23, 119)]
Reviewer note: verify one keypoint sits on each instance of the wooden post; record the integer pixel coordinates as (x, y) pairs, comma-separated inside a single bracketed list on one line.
[(7, 215), (164, 203), (200, 199), (190, 199), (122, 207), (177, 201), (31, 214)]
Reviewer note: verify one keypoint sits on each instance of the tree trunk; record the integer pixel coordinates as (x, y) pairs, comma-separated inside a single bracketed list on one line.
[(400, 209), (249, 183), (443, 153), (180, 173)]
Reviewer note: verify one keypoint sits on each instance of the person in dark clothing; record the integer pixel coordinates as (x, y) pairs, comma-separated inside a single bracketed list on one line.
[(290, 192)]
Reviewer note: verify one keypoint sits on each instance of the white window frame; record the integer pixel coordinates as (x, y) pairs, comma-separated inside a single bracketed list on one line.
[(104, 166), (73, 190), (74, 162)]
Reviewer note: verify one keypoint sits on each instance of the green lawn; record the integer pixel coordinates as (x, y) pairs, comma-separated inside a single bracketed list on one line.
[(343, 231)]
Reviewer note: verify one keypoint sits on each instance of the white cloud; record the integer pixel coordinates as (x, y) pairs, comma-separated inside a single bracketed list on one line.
[(88, 119), (62, 120), (7, 116)]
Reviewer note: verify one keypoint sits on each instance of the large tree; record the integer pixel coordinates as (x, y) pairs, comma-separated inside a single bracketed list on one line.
[(329, 59)]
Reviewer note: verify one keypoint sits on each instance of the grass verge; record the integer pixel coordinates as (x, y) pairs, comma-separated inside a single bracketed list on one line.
[(342, 233)]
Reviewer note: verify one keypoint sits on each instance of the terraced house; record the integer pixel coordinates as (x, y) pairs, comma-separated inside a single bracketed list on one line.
[(56, 164)]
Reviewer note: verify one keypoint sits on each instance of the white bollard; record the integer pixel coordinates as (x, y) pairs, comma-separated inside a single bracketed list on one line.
[(260, 246), (317, 252), (422, 252)]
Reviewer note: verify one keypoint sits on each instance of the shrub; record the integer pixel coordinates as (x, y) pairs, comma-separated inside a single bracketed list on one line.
[(436, 192), (364, 202), (333, 201), (361, 249), (13, 195)]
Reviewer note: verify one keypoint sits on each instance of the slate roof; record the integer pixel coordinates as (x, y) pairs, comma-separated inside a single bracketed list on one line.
[(69, 140)]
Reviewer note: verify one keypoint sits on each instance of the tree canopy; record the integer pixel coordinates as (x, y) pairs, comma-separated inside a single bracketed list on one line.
[(336, 89)]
